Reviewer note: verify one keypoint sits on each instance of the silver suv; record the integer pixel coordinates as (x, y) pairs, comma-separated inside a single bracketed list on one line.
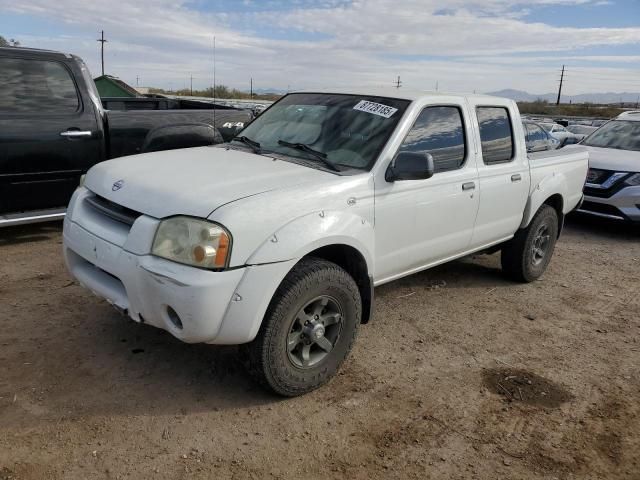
[(612, 189)]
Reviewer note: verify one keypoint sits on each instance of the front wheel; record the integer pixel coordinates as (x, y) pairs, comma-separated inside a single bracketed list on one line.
[(308, 329), (525, 257)]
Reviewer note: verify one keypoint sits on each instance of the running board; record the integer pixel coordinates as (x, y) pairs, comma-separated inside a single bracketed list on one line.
[(32, 217)]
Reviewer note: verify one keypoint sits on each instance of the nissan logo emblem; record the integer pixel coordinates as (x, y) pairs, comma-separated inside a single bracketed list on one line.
[(117, 185)]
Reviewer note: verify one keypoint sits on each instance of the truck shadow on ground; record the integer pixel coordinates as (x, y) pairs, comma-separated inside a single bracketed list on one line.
[(602, 228), (37, 232)]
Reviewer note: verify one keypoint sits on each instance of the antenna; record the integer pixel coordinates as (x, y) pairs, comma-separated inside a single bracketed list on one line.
[(214, 82)]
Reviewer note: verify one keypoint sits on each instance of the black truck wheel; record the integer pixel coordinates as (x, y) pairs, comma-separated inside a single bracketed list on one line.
[(525, 257), (308, 330)]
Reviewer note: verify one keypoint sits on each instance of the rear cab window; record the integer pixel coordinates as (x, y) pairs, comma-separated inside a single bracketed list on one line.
[(496, 134)]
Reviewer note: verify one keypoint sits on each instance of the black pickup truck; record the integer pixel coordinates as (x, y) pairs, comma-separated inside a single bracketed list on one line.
[(53, 128)]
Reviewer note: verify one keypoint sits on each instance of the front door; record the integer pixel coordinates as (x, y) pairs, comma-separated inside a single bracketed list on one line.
[(48, 136), (422, 222)]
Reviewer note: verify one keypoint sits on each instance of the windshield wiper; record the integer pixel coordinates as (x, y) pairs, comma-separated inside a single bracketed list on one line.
[(303, 147), (252, 144)]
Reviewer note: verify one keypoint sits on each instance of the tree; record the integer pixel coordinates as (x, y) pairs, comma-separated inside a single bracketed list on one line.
[(8, 43)]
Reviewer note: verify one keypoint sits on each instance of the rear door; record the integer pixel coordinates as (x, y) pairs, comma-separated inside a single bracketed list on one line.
[(49, 134), (503, 171), (422, 222)]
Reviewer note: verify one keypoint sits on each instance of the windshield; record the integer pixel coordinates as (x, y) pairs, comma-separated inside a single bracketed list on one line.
[(580, 129), (347, 131), (620, 134)]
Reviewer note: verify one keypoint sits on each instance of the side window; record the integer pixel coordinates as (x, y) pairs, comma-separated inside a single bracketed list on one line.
[(36, 86), (496, 134), (440, 132)]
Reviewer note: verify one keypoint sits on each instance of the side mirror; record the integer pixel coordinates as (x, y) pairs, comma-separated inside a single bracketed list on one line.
[(410, 166)]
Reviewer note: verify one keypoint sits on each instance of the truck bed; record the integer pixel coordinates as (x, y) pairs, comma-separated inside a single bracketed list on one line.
[(130, 131)]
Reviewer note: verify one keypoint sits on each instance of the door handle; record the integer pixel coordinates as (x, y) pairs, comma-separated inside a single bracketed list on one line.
[(516, 177), (76, 133), (469, 186)]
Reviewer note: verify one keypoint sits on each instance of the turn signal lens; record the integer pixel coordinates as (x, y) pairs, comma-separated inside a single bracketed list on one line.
[(192, 241)]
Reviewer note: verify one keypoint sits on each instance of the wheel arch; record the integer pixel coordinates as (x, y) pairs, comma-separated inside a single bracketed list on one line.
[(535, 202), (556, 201), (351, 260)]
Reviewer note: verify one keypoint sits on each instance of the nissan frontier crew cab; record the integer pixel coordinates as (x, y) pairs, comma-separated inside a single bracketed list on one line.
[(277, 239)]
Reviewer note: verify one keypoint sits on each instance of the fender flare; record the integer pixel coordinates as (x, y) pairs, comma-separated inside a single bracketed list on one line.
[(315, 230), (543, 191), (200, 134)]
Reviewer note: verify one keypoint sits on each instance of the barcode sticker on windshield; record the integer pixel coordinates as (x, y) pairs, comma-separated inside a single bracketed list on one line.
[(375, 108)]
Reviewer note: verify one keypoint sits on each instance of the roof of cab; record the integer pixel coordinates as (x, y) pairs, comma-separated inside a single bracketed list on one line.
[(33, 52), (399, 93)]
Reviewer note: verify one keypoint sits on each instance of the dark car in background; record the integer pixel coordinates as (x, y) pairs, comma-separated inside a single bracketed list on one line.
[(53, 128)]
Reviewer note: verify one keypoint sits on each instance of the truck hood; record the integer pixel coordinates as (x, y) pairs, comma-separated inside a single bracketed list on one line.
[(614, 159), (194, 181)]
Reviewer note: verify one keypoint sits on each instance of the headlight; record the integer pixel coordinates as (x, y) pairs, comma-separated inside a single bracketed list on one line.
[(191, 241), (633, 180)]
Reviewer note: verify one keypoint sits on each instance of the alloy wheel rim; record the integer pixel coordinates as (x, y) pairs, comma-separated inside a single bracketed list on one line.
[(314, 332), (540, 246)]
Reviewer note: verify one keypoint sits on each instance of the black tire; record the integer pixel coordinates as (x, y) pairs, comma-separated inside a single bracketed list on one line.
[(271, 360), (522, 259)]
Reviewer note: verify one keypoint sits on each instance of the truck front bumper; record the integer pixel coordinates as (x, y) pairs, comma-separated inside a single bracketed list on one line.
[(194, 305), (623, 205)]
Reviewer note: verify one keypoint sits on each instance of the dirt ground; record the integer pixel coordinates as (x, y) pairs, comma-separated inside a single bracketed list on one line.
[(461, 374)]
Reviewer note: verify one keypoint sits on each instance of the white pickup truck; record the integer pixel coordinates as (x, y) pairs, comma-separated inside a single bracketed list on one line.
[(277, 239)]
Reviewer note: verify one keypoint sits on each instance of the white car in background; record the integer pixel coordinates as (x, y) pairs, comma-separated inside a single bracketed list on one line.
[(560, 133), (613, 182)]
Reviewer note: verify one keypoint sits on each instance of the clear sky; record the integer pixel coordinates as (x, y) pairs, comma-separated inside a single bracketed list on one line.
[(463, 45)]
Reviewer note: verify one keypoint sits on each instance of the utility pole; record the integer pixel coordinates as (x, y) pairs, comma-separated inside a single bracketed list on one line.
[(560, 87), (398, 82), (102, 42), (137, 81), (251, 91), (436, 85), (191, 85)]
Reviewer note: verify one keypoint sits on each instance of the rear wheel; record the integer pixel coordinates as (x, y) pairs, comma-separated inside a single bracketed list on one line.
[(308, 329), (525, 257)]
